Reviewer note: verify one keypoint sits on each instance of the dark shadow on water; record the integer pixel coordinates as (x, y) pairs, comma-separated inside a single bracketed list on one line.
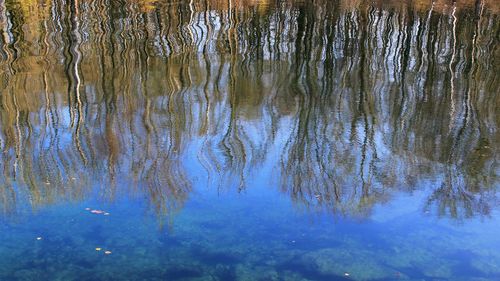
[(183, 273), (214, 258), (219, 273), (225, 273)]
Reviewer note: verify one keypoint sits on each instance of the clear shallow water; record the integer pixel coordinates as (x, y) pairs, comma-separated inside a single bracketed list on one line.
[(249, 140)]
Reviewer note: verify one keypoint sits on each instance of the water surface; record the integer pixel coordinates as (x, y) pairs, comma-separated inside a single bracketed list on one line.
[(249, 140)]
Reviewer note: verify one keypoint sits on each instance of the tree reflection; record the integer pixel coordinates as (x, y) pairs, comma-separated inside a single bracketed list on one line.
[(349, 101)]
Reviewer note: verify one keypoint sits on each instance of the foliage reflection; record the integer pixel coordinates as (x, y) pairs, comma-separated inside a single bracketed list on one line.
[(347, 101)]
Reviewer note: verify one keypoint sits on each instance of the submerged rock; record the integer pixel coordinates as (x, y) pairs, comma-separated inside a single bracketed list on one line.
[(352, 263)]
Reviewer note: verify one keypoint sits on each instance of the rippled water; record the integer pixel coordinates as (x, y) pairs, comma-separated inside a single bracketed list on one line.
[(249, 140)]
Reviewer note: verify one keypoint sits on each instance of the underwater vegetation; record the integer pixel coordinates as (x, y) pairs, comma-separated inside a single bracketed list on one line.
[(252, 239)]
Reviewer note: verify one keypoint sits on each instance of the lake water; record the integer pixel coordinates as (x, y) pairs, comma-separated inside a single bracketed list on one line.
[(249, 140)]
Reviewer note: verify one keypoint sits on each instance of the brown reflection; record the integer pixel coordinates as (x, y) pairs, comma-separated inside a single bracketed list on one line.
[(346, 101)]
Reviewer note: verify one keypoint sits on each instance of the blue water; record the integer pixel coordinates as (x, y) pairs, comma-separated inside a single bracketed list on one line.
[(253, 235), (249, 140)]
